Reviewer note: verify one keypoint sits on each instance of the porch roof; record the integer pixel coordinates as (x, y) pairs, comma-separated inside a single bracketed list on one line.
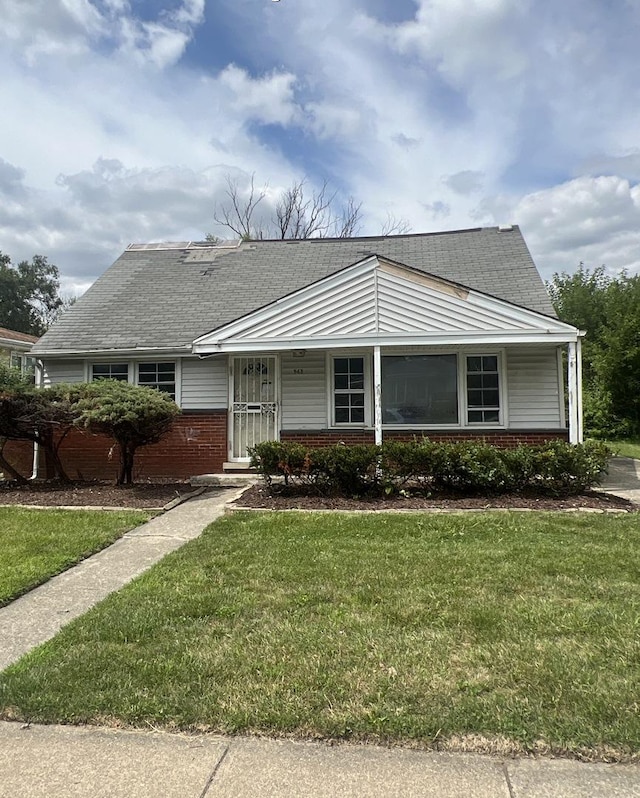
[(379, 302)]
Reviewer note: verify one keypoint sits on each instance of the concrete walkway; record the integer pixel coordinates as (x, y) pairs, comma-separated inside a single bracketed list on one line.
[(623, 479), (75, 762), (70, 762)]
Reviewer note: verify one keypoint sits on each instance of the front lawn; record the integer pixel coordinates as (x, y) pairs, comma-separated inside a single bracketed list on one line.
[(440, 629), (37, 544), (625, 448)]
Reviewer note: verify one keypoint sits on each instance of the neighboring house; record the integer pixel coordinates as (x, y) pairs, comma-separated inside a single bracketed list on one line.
[(449, 335), (15, 348)]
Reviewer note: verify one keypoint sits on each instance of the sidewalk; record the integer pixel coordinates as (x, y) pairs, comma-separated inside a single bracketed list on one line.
[(73, 762), (623, 478), (70, 762)]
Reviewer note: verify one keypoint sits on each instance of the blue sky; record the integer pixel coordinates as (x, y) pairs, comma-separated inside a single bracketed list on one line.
[(122, 119)]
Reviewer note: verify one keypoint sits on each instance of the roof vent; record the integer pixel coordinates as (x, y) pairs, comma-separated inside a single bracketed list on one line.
[(505, 228)]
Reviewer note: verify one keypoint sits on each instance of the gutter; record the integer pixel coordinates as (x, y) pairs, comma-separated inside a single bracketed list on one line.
[(135, 352)]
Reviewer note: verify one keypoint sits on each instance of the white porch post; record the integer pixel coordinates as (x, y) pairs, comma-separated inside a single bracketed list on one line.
[(579, 391), (377, 394), (575, 391)]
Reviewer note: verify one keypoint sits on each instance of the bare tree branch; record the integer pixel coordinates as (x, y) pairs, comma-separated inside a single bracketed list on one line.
[(395, 226), (296, 215), (348, 224), (237, 215)]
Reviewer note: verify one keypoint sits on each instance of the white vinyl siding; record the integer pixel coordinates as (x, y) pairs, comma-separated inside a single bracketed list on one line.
[(205, 384), (304, 402), (533, 388), (56, 371)]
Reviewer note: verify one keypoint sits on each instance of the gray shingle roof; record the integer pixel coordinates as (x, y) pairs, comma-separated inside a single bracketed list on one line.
[(168, 296)]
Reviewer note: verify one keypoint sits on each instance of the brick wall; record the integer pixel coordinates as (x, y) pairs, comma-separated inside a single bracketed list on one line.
[(196, 444), (502, 438), (19, 454)]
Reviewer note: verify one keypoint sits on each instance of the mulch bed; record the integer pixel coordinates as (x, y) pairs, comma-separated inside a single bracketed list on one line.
[(94, 494), (259, 497), (154, 495)]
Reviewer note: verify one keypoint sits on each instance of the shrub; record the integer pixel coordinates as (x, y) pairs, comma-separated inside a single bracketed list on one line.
[(554, 468)]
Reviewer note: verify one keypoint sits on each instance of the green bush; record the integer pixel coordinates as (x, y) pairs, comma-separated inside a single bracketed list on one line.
[(554, 468)]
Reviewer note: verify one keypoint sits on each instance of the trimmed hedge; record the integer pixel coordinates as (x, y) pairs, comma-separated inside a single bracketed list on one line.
[(555, 468)]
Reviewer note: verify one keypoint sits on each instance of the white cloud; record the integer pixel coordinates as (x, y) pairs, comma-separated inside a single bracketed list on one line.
[(473, 111), (590, 220), (268, 99), (466, 38)]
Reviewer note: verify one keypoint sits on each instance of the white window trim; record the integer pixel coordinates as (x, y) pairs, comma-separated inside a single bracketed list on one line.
[(132, 372), (461, 354), (368, 397), (462, 364)]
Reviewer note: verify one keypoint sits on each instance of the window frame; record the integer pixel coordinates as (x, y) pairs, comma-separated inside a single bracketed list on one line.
[(461, 354), (94, 363), (133, 370), (366, 390), (500, 373), (156, 385), (25, 362)]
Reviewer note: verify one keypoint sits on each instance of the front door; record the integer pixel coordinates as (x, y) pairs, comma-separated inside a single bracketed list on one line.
[(254, 403)]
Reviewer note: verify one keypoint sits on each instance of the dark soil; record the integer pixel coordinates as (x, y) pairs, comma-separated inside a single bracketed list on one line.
[(151, 495), (101, 494), (259, 496)]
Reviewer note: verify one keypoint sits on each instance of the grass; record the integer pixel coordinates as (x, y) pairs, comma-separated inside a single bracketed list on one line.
[(37, 544), (625, 448), (422, 629)]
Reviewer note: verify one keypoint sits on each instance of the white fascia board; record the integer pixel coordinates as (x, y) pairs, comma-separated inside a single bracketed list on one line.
[(306, 294), (463, 338), (21, 346)]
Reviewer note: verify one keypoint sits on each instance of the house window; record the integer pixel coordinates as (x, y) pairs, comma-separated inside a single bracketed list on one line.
[(483, 389), (348, 390), (110, 371), (26, 365), (161, 376), (420, 389)]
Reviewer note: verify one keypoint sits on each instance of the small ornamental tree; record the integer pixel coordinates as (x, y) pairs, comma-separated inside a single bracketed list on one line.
[(43, 416), (132, 415)]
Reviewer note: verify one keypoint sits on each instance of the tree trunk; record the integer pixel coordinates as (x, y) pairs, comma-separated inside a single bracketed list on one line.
[(127, 453), (53, 464)]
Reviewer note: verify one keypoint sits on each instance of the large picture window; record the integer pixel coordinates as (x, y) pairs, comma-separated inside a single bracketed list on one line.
[(420, 389), (348, 390)]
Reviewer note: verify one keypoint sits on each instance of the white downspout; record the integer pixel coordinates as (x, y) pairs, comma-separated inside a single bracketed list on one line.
[(36, 447), (377, 394)]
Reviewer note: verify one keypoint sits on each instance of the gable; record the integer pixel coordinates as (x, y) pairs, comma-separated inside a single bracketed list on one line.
[(376, 299)]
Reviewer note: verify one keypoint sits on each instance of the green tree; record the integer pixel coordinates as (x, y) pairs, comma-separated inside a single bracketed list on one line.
[(44, 416), (132, 415), (29, 299), (608, 310)]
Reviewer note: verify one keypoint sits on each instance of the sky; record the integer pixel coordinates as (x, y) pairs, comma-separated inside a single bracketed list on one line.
[(123, 120)]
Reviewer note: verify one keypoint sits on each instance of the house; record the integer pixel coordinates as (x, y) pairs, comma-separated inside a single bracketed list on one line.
[(15, 350), (450, 335)]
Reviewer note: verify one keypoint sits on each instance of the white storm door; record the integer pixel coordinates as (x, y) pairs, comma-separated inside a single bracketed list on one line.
[(254, 403)]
